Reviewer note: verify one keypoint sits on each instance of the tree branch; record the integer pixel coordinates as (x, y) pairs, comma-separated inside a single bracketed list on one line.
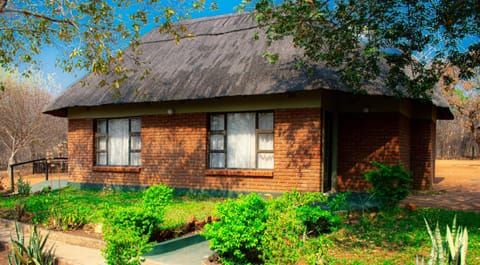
[(37, 15)]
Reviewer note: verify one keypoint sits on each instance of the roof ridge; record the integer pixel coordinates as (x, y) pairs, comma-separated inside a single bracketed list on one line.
[(218, 17)]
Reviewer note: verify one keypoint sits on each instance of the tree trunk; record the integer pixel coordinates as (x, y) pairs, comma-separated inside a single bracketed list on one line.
[(11, 161)]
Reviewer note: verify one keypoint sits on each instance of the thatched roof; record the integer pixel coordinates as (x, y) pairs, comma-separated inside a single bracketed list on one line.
[(222, 60)]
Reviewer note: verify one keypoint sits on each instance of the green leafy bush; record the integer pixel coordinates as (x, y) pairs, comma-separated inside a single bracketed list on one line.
[(281, 231), (294, 221), (126, 232), (23, 187), (35, 252), (238, 235), (156, 198), (390, 184)]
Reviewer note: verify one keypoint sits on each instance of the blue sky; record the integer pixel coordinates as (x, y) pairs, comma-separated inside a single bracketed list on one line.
[(49, 54)]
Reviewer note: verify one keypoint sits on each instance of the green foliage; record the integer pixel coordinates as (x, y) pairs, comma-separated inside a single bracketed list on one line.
[(452, 251), (94, 32), (126, 232), (283, 231), (294, 220), (23, 187), (238, 235), (156, 198), (358, 38), (69, 218), (35, 252), (39, 206), (390, 184)]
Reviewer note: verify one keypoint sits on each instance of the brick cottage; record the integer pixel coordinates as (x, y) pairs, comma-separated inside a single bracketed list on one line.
[(214, 115)]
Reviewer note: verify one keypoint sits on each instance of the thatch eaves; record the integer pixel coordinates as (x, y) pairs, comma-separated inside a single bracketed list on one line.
[(221, 60)]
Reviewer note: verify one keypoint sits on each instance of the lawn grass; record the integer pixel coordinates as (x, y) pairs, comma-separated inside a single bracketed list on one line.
[(94, 203), (394, 237), (397, 237)]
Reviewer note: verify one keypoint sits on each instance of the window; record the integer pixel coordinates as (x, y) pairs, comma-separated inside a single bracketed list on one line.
[(118, 142), (241, 140)]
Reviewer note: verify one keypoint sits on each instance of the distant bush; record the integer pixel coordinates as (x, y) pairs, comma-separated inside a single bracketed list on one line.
[(238, 235), (23, 187), (390, 184)]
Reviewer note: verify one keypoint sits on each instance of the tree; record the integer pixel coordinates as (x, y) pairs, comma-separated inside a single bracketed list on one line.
[(91, 34), (358, 38), (24, 129), (464, 97)]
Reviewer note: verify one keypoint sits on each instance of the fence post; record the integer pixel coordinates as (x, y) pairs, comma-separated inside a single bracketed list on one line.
[(46, 169), (11, 177)]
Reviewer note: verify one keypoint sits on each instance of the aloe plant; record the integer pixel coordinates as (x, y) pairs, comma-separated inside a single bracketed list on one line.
[(452, 250), (35, 252)]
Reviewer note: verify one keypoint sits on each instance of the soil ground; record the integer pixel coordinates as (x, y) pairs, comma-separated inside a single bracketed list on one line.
[(456, 186)]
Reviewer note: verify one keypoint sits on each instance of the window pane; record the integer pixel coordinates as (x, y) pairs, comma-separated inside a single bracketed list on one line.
[(135, 125), (217, 142), (265, 160), (241, 140), (135, 143), (118, 142), (217, 122), (217, 160), (101, 159), (265, 142), (101, 143), (265, 121), (135, 159), (101, 126)]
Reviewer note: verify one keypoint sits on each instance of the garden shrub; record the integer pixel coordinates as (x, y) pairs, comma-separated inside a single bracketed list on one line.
[(127, 230), (238, 235), (23, 187), (156, 198), (390, 184), (294, 220)]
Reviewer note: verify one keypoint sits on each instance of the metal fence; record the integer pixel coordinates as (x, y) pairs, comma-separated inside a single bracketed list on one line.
[(38, 170)]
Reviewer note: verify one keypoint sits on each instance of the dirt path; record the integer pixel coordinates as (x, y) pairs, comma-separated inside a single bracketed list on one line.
[(456, 186)]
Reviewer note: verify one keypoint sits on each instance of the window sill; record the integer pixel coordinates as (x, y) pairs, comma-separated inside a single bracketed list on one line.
[(117, 169), (266, 173)]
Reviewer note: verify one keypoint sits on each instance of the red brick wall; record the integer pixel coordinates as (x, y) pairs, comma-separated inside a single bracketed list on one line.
[(174, 152), (423, 153), (80, 149), (367, 137)]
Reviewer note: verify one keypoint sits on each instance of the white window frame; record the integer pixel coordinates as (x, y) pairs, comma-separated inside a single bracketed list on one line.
[(224, 133), (105, 135)]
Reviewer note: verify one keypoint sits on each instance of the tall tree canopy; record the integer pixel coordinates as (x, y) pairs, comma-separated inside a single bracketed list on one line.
[(357, 37), (91, 34)]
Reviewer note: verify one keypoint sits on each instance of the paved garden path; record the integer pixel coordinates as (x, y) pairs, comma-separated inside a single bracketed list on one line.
[(78, 250)]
